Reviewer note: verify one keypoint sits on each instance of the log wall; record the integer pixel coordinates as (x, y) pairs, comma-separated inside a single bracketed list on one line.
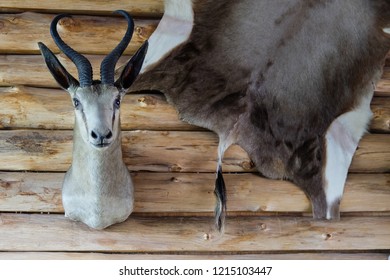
[(172, 163)]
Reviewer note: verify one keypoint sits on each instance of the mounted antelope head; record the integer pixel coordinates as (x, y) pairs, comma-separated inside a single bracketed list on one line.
[(289, 81), (97, 189)]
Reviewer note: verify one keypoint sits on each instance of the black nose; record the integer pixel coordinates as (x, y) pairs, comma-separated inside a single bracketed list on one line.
[(99, 137)]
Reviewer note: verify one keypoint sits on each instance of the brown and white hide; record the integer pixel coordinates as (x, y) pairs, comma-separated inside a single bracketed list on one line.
[(288, 81)]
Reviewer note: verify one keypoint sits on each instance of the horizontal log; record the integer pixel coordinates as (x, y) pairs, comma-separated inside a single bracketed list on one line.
[(34, 232), (19, 33), (27, 107), (380, 123), (230, 256), (161, 151), (149, 8), (31, 70), (376, 150), (386, 73), (383, 88), (168, 194)]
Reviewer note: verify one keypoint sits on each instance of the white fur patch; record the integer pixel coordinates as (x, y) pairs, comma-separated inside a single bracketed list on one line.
[(342, 139), (386, 30), (96, 210), (174, 28)]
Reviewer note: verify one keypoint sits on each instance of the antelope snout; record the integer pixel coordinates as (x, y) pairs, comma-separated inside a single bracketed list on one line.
[(100, 139)]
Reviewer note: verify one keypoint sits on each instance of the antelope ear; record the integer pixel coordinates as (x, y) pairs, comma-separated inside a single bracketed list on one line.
[(132, 68), (63, 78)]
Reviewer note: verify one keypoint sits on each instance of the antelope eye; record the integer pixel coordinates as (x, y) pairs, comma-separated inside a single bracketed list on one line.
[(76, 103), (117, 102)]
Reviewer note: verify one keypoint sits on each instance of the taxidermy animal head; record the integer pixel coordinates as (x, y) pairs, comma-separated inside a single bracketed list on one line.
[(97, 188)]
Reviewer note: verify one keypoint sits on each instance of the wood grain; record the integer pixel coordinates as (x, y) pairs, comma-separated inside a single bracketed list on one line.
[(34, 232), (28, 107), (383, 88), (149, 8), (21, 32), (31, 70), (380, 122), (375, 149), (161, 151), (174, 194), (178, 256)]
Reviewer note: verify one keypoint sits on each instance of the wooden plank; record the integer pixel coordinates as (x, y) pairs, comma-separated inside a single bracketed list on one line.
[(149, 8), (32, 150), (380, 107), (161, 151), (31, 192), (168, 194), (386, 73), (26, 107), (110, 256), (373, 150), (34, 232), (21, 32), (31, 70), (382, 88)]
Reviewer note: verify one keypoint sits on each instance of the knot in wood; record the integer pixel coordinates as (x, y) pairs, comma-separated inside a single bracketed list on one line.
[(68, 24), (140, 31), (175, 168), (262, 226), (327, 236), (175, 180), (146, 100), (247, 165)]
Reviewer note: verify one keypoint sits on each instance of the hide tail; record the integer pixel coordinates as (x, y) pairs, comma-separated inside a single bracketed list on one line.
[(220, 187), (220, 193)]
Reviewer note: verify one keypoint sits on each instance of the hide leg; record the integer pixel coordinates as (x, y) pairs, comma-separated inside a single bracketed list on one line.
[(342, 138)]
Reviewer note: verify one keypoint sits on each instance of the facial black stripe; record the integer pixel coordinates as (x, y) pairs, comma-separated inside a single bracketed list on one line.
[(113, 120), (84, 120)]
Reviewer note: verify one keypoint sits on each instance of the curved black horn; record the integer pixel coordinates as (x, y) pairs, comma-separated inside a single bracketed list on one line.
[(107, 67), (84, 67)]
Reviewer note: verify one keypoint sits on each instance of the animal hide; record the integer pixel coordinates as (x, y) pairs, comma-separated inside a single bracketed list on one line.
[(288, 81)]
